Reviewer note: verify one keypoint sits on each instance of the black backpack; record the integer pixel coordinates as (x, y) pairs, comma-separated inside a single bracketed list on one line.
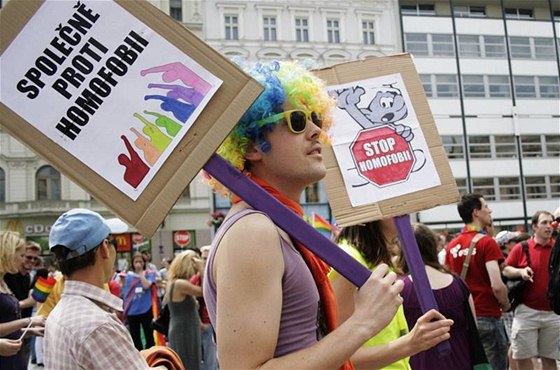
[(554, 277)]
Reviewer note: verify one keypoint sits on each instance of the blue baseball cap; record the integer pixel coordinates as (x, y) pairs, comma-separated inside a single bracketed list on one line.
[(81, 230)]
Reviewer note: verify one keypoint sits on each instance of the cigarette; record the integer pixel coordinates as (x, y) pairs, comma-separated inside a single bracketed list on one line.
[(26, 329)]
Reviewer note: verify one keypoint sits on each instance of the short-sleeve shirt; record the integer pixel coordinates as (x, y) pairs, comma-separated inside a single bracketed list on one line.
[(83, 332), (20, 285), (478, 280), (142, 300), (534, 294)]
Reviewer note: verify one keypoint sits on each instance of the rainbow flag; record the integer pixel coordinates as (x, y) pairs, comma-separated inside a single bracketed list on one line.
[(159, 339), (321, 224), (43, 288)]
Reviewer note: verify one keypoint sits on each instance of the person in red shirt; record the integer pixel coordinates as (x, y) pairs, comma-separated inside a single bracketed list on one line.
[(536, 328), (483, 276)]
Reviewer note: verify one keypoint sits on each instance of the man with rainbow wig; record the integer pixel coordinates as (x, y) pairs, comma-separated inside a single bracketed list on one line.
[(268, 297)]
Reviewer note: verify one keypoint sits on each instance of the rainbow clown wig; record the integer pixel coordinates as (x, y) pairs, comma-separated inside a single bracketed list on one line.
[(287, 85)]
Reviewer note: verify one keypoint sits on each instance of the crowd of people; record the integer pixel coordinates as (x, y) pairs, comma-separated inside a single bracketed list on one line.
[(256, 298)]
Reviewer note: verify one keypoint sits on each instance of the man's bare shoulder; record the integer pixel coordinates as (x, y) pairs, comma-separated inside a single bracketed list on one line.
[(252, 241)]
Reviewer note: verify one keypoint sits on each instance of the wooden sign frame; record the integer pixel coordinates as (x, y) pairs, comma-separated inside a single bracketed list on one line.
[(214, 123), (445, 193)]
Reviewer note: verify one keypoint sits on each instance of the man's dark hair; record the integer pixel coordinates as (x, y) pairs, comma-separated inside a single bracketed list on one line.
[(68, 267), (469, 202), (536, 215)]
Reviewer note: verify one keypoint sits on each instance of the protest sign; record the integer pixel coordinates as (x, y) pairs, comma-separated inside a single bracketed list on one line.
[(387, 158), (119, 97)]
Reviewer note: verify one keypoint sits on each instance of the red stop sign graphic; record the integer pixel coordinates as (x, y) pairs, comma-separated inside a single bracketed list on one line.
[(182, 238), (137, 238), (382, 156)]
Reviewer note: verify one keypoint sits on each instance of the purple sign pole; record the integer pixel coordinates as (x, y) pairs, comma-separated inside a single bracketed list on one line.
[(313, 240)]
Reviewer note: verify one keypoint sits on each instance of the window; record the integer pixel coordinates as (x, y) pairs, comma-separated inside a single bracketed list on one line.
[(484, 186), (536, 187), (302, 30), (312, 193), (48, 183), (469, 46), (333, 31), (548, 87), (446, 86), (442, 45), (552, 145), (477, 11), (518, 13), (427, 85), (418, 9), (499, 87), (232, 27), (555, 186), (416, 43), (176, 9), (221, 202), (473, 86), (524, 86), (509, 188), (2, 185), (453, 146), (544, 48), (368, 33), (520, 47), (505, 146), (187, 192), (494, 46), (269, 24), (531, 146), (479, 147), (469, 11), (461, 185)]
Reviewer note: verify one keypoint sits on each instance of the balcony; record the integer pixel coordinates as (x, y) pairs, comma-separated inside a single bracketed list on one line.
[(46, 207)]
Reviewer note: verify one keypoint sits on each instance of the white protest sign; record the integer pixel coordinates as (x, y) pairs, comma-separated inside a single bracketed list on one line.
[(378, 142), (73, 58), (119, 97)]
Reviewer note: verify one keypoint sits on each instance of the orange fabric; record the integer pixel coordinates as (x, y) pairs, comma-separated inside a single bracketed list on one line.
[(319, 269), (159, 339), (159, 355)]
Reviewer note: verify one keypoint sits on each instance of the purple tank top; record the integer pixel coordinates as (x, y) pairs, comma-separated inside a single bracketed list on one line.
[(300, 303)]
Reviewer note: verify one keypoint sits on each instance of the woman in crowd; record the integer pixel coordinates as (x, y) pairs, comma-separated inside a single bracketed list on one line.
[(450, 297), (137, 295), (12, 251), (371, 244), (184, 325)]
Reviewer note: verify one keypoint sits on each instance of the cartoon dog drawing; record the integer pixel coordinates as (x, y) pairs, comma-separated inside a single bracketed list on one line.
[(386, 108)]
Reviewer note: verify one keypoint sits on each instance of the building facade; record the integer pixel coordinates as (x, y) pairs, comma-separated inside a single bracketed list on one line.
[(490, 70), (33, 193)]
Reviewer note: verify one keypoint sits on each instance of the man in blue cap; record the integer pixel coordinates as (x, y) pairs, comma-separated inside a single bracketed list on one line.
[(83, 330)]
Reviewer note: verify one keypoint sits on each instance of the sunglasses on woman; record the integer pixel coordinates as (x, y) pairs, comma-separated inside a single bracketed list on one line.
[(296, 119)]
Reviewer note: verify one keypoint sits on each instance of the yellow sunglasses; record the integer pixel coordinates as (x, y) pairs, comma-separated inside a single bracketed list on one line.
[(296, 119)]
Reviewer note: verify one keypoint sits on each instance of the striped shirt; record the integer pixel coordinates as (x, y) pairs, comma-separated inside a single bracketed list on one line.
[(83, 332)]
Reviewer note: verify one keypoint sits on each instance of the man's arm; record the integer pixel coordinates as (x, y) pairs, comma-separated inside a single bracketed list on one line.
[(525, 273), (512, 271), (248, 271), (498, 287)]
